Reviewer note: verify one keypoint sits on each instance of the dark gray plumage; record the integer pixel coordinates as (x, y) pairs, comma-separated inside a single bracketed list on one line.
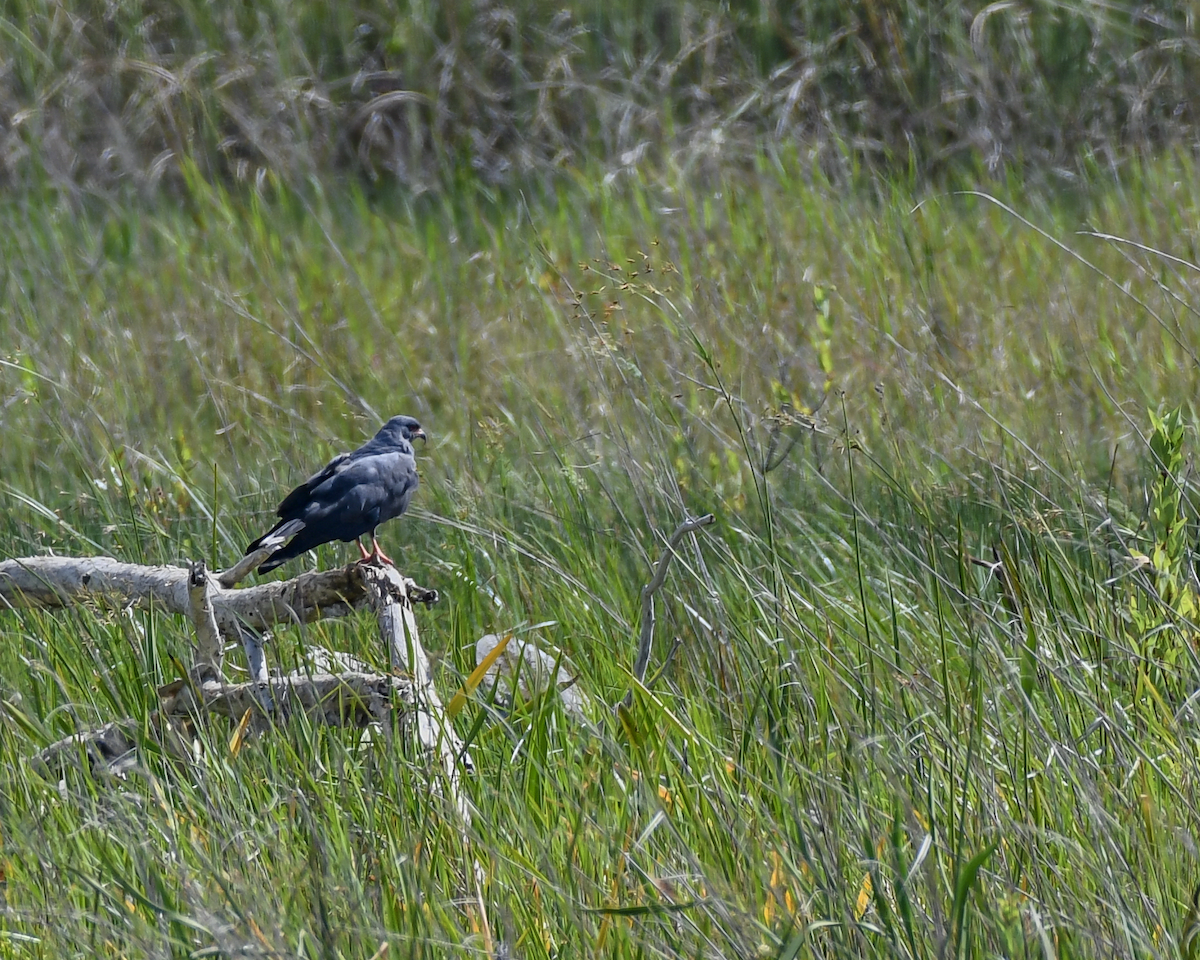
[(349, 497)]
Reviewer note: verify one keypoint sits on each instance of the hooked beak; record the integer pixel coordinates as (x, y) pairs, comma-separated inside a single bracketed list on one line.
[(421, 434)]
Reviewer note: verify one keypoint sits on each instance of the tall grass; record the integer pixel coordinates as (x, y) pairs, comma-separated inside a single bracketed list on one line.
[(913, 710), (429, 95)]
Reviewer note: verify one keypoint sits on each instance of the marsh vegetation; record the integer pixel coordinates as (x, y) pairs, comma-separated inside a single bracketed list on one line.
[(933, 672)]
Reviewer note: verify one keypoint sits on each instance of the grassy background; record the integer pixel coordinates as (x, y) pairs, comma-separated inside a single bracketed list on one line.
[(849, 698), (865, 744), (434, 94)]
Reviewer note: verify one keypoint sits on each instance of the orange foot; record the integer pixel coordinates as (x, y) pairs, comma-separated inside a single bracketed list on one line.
[(378, 556)]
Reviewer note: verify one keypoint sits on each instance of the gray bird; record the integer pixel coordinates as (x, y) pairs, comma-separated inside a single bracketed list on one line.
[(349, 497)]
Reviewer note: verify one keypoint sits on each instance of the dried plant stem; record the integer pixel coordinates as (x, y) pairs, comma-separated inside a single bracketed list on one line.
[(646, 635)]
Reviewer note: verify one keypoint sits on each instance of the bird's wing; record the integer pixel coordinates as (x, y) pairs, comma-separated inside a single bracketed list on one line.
[(350, 497), (361, 495), (295, 501)]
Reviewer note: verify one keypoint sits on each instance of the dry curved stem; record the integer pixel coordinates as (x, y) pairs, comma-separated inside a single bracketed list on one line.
[(646, 636)]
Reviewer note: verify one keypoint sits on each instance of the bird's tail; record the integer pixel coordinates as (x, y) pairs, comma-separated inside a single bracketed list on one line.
[(276, 536), (283, 555)]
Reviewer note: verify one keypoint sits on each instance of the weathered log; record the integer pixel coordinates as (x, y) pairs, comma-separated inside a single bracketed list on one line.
[(352, 697), (344, 699), (65, 581), (348, 699)]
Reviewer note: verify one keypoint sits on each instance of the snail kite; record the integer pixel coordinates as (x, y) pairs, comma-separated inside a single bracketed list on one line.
[(349, 497)]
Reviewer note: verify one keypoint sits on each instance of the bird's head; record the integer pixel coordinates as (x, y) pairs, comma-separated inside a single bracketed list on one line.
[(406, 427)]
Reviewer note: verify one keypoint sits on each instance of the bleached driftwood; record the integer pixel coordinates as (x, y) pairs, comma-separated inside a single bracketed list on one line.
[(65, 581), (531, 670), (391, 600), (210, 651), (218, 613), (349, 697)]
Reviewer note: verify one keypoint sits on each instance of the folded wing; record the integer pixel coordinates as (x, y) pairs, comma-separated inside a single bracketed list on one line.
[(299, 497), (347, 499)]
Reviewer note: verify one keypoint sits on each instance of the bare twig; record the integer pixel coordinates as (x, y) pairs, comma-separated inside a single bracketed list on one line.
[(267, 546), (240, 570), (256, 661), (662, 667), (646, 637)]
